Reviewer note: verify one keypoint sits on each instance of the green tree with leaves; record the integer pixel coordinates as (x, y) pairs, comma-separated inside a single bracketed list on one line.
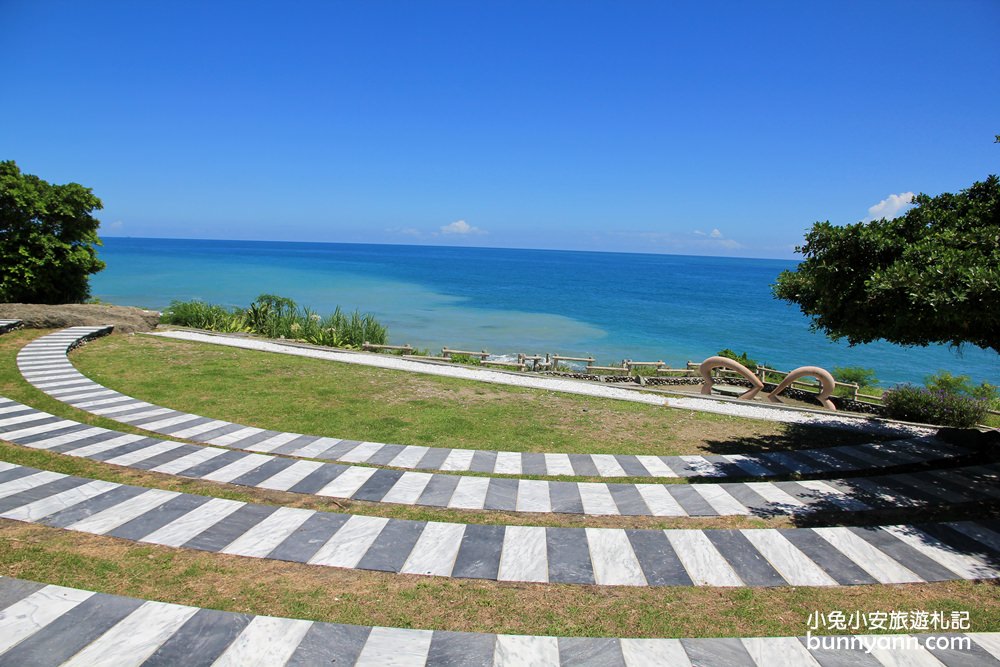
[(929, 276), (47, 238)]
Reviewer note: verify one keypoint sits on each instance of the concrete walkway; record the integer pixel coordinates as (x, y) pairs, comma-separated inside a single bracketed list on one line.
[(45, 626), (33, 428), (837, 556), (44, 364)]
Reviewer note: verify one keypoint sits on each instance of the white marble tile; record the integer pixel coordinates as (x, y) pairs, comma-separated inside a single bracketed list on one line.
[(558, 464), (833, 495), (118, 407), (978, 532), (470, 493), (778, 652), (508, 463), (28, 482), (597, 499), (720, 500), (607, 465), (913, 656), (38, 430), (654, 653), (290, 476), (230, 438), (89, 393), (436, 550), (200, 428), (748, 464), (347, 483), (361, 452), (408, 457), (4, 466), (408, 488), (265, 641), (884, 569), (965, 566), (55, 441), (169, 421), (395, 647), (63, 384), (123, 512), (533, 496), (796, 568), (458, 460), (29, 615), (614, 560), (655, 465), (524, 556), (189, 460), (316, 447), (59, 501), (520, 650), (136, 637), (21, 419), (659, 501), (700, 465), (773, 494), (228, 473), (147, 452), (152, 412), (260, 540), (104, 401), (106, 445), (702, 561), (989, 641), (349, 544), (190, 525)]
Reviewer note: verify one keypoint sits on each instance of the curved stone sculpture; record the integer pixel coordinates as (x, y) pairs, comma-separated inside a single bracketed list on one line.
[(707, 366), (826, 382)]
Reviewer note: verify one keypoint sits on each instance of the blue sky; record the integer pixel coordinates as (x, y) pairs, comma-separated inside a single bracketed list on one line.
[(720, 128)]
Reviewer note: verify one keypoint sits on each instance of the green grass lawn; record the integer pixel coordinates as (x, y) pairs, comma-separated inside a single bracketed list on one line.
[(290, 393)]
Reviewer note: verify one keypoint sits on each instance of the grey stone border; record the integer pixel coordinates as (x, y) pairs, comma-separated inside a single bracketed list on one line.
[(44, 364), (753, 557), (47, 625), (29, 427)]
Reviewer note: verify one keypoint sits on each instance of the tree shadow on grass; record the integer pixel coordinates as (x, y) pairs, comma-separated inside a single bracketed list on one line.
[(815, 435)]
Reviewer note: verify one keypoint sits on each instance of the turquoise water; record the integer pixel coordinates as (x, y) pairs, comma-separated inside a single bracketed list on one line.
[(609, 305)]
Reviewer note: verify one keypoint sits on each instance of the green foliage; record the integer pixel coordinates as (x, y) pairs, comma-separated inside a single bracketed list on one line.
[(920, 404), (279, 317), (47, 239), (961, 385), (863, 377), (929, 276), (741, 358), (466, 359)]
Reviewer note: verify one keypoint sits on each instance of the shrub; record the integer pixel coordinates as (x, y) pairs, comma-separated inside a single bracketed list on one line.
[(741, 358), (863, 377), (920, 404), (280, 317)]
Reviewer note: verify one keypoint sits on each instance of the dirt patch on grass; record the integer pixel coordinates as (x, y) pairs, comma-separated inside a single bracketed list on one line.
[(39, 316)]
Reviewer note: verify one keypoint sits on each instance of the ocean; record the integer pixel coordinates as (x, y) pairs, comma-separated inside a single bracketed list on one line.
[(612, 306)]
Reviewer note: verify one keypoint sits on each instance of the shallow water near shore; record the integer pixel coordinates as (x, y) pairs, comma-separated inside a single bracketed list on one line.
[(609, 305)]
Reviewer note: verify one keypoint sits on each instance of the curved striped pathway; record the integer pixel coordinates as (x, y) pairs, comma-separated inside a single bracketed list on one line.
[(27, 426), (757, 557), (44, 364), (46, 625)]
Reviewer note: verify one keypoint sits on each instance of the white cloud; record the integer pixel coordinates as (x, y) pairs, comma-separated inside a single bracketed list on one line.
[(461, 227), (716, 234), (890, 207), (116, 226)]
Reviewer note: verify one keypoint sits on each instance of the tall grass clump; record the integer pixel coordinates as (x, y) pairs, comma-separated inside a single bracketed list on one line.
[(934, 406), (280, 317)]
